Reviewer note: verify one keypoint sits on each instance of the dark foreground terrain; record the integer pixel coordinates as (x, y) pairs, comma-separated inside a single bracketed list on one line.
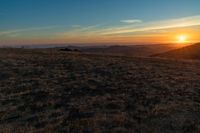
[(55, 91)]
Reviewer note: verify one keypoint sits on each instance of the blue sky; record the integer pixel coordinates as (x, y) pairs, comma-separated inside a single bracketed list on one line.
[(28, 20)]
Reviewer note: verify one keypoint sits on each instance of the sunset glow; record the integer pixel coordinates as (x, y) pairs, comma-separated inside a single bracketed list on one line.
[(99, 22), (182, 38)]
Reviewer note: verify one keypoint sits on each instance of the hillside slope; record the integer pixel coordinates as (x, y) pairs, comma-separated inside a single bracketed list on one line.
[(133, 50), (188, 52), (51, 91)]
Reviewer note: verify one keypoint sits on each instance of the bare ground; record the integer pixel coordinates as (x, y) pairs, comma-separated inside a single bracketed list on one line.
[(53, 91)]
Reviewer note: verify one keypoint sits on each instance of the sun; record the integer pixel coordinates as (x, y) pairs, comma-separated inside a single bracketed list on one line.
[(182, 38)]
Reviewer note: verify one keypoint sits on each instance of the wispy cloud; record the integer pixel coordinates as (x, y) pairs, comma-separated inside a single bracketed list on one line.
[(130, 28), (10, 32), (157, 25), (76, 26), (79, 28), (127, 30), (80, 31), (131, 21)]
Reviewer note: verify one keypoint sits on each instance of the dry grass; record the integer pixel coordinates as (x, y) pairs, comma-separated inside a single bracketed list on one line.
[(53, 91)]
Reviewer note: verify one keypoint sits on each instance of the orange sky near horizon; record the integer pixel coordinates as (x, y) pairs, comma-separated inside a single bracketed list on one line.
[(146, 34), (168, 37), (28, 22)]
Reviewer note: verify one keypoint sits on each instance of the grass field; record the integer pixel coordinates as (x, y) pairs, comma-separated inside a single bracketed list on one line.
[(52, 91)]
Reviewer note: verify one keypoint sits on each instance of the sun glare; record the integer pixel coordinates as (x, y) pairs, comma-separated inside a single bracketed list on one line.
[(182, 38)]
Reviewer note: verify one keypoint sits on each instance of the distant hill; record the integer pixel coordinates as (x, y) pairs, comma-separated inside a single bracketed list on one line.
[(188, 52), (133, 50)]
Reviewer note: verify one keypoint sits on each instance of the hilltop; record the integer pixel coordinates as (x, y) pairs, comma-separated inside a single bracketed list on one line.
[(188, 52)]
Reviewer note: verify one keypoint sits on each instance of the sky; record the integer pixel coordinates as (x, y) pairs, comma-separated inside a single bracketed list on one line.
[(98, 21)]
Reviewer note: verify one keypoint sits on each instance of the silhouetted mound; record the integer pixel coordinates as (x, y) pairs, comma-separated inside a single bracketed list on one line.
[(66, 49), (188, 52), (70, 50)]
